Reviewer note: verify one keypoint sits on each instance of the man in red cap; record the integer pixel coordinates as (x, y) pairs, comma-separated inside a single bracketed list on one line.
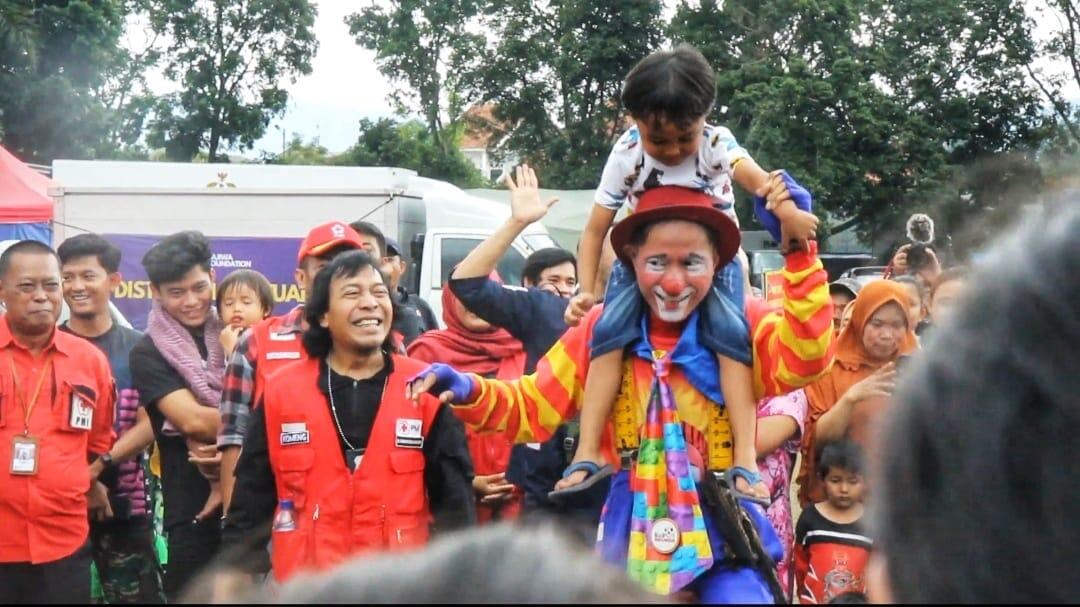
[(272, 344)]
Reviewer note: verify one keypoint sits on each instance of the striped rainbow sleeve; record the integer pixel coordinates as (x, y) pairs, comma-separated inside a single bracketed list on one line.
[(793, 346), (531, 408)]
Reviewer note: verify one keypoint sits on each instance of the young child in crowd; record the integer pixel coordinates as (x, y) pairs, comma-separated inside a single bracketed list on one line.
[(831, 548), (244, 298), (669, 94)]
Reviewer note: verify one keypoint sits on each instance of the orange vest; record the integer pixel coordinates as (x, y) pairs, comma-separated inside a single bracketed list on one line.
[(381, 506), (274, 350)]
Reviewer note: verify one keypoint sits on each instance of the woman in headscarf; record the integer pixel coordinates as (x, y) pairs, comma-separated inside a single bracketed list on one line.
[(470, 344), (847, 401)]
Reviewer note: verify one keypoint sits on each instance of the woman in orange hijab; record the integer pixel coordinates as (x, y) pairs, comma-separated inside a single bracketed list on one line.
[(847, 401)]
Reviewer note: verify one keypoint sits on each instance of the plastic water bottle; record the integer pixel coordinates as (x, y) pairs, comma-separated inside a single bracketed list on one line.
[(285, 520)]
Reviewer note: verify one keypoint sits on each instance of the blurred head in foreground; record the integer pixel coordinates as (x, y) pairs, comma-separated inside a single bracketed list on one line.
[(975, 495)]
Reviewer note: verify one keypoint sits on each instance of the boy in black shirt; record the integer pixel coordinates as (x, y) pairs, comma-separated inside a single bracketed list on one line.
[(122, 536), (178, 368), (831, 548)]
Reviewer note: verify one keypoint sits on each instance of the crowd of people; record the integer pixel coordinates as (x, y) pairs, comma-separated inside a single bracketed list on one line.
[(615, 398)]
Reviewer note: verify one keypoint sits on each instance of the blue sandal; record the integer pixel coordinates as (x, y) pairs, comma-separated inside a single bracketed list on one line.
[(594, 474), (752, 478)]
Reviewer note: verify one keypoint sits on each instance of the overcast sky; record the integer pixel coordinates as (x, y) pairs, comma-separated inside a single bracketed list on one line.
[(345, 86)]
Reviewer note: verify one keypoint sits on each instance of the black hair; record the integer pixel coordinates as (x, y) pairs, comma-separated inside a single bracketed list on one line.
[(317, 339), (909, 279), (369, 229), (30, 247), (176, 255), (543, 259), (955, 273), (677, 86), (844, 454), (91, 245), (251, 279), (976, 450)]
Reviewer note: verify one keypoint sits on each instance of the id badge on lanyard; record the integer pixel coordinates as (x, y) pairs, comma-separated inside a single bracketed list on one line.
[(24, 455), (24, 448)]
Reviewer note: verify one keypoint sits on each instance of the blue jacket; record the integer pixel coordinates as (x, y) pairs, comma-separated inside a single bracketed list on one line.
[(534, 317)]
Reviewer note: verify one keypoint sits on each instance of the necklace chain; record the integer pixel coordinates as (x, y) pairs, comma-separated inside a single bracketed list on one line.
[(333, 408)]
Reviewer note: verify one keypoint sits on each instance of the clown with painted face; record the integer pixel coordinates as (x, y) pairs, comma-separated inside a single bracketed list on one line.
[(672, 420)]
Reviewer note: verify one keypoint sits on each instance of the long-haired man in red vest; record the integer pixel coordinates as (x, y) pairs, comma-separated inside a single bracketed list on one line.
[(270, 345), (336, 460)]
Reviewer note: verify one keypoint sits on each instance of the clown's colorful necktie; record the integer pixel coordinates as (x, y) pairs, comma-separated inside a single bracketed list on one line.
[(669, 546)]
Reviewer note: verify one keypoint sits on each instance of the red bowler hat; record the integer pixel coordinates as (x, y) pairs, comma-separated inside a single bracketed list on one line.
[(674, 202)]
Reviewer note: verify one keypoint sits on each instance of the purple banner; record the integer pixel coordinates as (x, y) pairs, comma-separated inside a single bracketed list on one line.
[(274, 257)]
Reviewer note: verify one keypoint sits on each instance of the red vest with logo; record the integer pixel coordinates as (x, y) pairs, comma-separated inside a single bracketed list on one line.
[(381, 506), (275, 350)]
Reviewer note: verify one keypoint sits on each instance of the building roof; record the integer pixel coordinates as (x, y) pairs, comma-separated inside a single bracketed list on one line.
[(482, 130)]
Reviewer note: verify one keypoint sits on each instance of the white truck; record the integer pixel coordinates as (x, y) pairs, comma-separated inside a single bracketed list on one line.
[(264, 206)]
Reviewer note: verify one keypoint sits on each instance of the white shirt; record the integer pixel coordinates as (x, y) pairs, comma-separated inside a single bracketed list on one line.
[(630, 171)]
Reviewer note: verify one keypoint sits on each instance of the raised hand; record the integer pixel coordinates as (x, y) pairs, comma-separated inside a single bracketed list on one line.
[(797, 229), (899, 260), (525, 204), (783, 200)]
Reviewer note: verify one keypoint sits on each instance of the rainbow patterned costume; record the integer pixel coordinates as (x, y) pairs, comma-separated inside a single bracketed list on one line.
[(791, 347)]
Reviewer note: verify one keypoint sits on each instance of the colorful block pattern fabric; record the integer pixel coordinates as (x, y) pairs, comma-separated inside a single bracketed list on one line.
[(664, 488)]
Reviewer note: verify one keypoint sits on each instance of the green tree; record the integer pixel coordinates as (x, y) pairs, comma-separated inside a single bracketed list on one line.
[(409, 145), (231, 59), (426, 49), (877, 106), (54, 55), (555, 74)]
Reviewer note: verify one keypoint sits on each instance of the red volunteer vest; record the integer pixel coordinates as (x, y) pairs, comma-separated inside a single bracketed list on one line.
[(381, 506), (274, 350)]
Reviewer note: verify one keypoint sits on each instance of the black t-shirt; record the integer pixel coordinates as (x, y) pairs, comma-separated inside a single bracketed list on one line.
[(125, 481), (812, 519), (356, 402), (184, 489)]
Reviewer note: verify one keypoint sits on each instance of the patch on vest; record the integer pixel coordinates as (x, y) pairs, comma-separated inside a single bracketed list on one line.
[(295, 434), (282, 336), (282, 356), (409, 433)]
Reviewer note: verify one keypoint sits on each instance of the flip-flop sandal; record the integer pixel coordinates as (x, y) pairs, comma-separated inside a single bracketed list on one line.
[(594, 474), (751, 479)]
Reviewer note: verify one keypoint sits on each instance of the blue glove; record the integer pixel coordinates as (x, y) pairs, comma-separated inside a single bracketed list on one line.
[(799, 195), (462, 385)]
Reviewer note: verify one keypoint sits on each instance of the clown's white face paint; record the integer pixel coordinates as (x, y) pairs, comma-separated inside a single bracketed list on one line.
[(674, 269)]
